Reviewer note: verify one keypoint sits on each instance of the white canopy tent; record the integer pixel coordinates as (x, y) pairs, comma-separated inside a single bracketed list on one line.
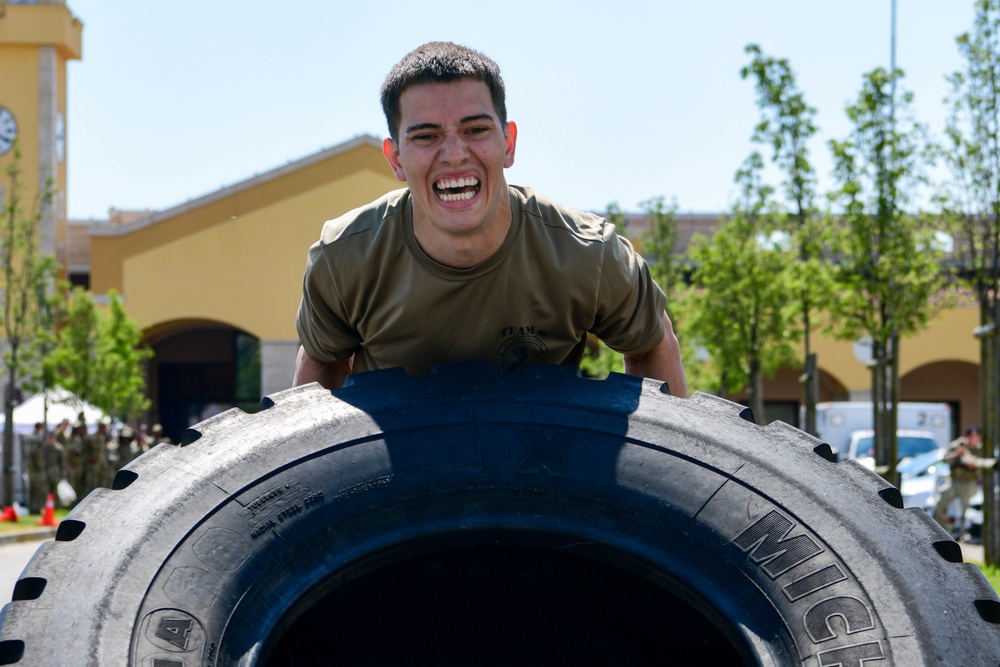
[(61, 405)]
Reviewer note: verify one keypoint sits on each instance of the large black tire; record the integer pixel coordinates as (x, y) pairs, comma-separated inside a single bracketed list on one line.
[(470, 517)]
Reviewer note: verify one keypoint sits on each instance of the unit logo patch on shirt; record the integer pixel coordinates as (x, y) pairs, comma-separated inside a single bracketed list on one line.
[(521, 345)]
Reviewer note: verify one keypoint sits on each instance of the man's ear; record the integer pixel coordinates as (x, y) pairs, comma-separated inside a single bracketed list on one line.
[(510, 136), (391, 152)]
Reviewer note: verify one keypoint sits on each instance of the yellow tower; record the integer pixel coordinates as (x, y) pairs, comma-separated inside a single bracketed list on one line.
[(37, 39)]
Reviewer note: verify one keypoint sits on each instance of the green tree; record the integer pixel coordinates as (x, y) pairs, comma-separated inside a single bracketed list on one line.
[(73, 358), (617, 217), (43, 341), (120, 364), (738, 307), (786, 125), (99, 357), (599, 361), (51, 312), (972, 204), (25, 273), (659, 246), (887, 264)]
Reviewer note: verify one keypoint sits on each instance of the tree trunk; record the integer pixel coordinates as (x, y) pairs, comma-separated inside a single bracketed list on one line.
[(892, 411), (878, 397), (8, 443), (989, 392), (757, 393), (811, 388)]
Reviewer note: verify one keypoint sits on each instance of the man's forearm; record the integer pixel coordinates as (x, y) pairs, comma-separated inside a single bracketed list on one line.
[(663, 362), (330, 376)]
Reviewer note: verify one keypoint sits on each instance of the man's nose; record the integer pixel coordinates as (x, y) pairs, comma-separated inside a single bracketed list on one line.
[(454, 149)]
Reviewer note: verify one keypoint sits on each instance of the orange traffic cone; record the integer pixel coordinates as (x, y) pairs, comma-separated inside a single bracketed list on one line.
[(49, 513), (9, 514)]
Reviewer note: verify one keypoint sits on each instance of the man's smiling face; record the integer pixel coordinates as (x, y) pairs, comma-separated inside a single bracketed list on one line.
[(452, 151)]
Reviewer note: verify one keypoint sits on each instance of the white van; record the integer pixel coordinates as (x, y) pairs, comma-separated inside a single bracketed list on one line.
[(837, 420), (910, 443)]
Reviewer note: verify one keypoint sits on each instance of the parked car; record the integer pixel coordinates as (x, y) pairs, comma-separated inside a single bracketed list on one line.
[(922, 480), (911, 443)]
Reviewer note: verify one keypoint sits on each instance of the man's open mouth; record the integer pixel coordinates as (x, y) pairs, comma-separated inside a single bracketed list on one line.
[(456, 189)]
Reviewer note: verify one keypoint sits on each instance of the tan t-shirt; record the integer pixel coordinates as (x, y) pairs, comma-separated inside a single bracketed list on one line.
[(369, 290)]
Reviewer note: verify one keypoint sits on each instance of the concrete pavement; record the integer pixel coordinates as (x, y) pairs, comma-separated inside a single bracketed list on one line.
[(29, 534), (16, 549), (972, 553), (13, 557)]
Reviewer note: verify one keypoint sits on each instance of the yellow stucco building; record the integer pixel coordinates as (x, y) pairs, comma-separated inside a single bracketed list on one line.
[(215, 282), (36, 42), (219, 277)]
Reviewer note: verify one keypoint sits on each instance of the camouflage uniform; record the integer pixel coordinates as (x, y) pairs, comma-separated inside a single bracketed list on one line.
[(126, 448), (95, 461), (74, 459), (156, 436), (34, 456), (54, 455), (964, 459)]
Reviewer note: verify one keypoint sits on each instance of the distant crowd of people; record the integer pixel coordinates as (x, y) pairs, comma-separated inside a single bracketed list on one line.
[(85, 460)]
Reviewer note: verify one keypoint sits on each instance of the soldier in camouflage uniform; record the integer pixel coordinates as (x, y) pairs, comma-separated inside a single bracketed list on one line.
[(34, 456), (95, 460), (966, 463), (126, 448), (74, 458), (54, 455), (156, 436)]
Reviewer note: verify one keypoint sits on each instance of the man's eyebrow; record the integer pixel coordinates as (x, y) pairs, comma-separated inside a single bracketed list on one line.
[(422, 126), (467, 119), (478, 117)]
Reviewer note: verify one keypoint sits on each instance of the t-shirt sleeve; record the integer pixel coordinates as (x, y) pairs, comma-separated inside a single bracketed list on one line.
[(323, 323), (630, 304)]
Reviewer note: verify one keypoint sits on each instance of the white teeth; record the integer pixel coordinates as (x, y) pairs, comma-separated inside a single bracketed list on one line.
[(466, 182), (461, 196), (454, 184)]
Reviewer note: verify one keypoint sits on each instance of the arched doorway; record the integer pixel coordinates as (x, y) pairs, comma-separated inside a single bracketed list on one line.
[(199, 369), (952, 382)]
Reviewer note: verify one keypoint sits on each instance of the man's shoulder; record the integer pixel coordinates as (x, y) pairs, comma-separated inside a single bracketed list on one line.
[(364, 219), (558, 217)]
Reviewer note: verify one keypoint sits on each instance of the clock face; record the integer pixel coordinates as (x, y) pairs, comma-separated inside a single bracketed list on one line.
[(8, 130), (60, 137)]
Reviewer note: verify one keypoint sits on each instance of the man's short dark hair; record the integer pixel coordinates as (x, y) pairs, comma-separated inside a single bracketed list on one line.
[(973, 429), (440, 62)]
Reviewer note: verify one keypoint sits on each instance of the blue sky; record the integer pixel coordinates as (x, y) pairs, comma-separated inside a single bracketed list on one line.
[(614, 101)]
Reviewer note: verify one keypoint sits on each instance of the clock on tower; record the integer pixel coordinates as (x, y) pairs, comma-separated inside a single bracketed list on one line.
[(8, 129)]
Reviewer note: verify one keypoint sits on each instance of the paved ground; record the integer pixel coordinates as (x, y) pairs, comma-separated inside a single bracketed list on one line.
[(16, 549), (13, 558), (972, 553)]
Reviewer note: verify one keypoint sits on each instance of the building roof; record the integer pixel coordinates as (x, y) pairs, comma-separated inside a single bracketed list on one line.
[(127, 225)]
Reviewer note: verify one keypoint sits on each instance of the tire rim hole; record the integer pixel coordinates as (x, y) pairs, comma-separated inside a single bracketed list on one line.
[(500, 606)]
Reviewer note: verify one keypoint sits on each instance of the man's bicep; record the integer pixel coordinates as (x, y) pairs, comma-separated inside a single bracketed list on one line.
[(323, 322), (630, 306)]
